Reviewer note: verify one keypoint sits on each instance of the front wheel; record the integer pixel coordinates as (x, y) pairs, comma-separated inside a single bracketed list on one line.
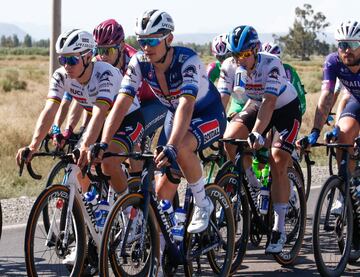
[(332, 232), (130, 243), (44, 251), (295, 220), (218, 239)]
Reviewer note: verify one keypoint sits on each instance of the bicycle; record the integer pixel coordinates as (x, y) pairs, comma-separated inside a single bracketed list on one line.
[(71, 222), (336, 234), (244, 205), (127, 248)]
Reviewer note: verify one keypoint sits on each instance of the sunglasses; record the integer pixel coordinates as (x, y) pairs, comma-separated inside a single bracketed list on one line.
[(152, 42), (243, 54), (70, 60), (106, 51), (353, 45)]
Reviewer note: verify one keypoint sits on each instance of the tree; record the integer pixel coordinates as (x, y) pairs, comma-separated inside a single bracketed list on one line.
[(3, 41), (302, 41), (131, 40), (16, 41), (27, 41)]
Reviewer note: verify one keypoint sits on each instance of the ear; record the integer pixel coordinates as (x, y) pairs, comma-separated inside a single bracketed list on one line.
[(169, 39)]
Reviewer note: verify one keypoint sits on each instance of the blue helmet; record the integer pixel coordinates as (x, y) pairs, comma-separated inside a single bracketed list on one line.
[(242, 38)]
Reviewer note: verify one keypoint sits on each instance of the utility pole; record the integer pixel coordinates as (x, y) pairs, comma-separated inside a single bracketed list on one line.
[(55, 32)]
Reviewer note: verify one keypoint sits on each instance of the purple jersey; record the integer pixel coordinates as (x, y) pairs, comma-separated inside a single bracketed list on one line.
[(335, 68)]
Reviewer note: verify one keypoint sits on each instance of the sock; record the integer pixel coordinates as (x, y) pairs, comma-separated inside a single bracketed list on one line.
[(198, 192), (250, 175), (280, 211)]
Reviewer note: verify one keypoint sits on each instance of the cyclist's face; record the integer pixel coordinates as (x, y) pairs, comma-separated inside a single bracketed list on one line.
[(349, 56), (245, 61), (109, 53), (74, 70), (155, 47)]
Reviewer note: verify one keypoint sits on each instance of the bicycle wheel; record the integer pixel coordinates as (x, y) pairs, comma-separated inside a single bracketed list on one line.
[(241, 217), (45, 252), (295, 220), (130, 253), (0, 220), (307, 184), (332, 234), (217, 239), (55, 177)]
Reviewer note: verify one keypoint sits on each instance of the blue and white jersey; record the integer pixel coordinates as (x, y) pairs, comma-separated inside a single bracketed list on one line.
[(186, 76), (268, 77)]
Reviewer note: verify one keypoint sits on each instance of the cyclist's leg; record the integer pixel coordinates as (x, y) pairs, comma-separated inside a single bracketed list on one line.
[(287, 122), (129, 134)]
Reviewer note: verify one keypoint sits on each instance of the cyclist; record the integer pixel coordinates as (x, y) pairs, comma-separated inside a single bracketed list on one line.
[(196, 117), (344, 65), (110, 47), (291, 73), (220, 52), (273, 102)]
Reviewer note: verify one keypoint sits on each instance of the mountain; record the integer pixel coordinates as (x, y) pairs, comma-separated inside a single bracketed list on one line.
[(7, 29)]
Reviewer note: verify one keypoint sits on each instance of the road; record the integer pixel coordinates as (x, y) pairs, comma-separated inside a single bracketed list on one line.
[(255, 262)]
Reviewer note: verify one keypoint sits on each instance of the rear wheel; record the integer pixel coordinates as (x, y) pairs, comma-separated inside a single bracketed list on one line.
[(332, 233), (45, 252)]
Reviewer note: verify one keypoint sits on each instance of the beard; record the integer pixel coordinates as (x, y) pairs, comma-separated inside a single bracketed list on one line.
[(351, 60)]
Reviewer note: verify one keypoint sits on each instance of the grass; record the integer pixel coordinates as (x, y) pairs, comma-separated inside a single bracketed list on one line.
[(20, 108)]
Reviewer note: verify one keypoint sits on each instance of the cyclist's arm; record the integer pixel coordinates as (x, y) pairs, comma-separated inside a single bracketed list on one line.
[(225, 99), (342, 103), (99, 112), (326, 102), (182, 118), (43, 123), (265, 113), (86, 118), (62, 112), (74, 115)]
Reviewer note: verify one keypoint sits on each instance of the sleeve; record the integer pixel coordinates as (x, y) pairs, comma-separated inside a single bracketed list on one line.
[(132, 79), (273, 78), (109, 85), (67, 96), (191, 71), (225, 84), (329, 74), (57, 86)]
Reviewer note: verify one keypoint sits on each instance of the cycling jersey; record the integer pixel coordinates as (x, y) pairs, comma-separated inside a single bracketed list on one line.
[(102, 87), (269, 77), (334, 68), (67, 96), (296, 82), (213, 71), (185, 76)]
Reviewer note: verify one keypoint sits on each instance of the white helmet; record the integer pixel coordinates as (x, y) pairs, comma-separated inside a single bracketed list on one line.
[(271, 48), (349, 30), (74, 41), (154, 22), (218, 45)]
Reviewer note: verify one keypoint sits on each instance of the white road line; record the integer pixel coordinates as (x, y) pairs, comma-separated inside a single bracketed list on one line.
[(14, 226)]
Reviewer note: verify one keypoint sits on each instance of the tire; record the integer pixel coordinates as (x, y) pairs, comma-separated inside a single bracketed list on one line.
[(241, 213), (120, 265), (307, 184), (49, 261), (220, 257), (0, 220), (295, 221), (322, 234), (55, 177)]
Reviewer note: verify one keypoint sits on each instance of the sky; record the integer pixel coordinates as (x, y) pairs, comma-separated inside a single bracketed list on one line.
[(190, 16)]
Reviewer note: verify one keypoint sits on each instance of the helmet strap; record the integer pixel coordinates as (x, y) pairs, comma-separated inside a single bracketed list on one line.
[(117, 58), (167, 48), (85, 67)]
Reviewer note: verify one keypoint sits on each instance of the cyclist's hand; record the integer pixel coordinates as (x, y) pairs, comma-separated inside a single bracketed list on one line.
[(82, 161), (24, 153), (165, 155), (256, 140), (332, 135), (96, 152)]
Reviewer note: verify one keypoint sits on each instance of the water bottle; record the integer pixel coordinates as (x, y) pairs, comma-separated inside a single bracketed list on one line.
[(255, 167), (103, 211), (178, 230), (264, 200), (265, 172), (240, 80), (169, 211)]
